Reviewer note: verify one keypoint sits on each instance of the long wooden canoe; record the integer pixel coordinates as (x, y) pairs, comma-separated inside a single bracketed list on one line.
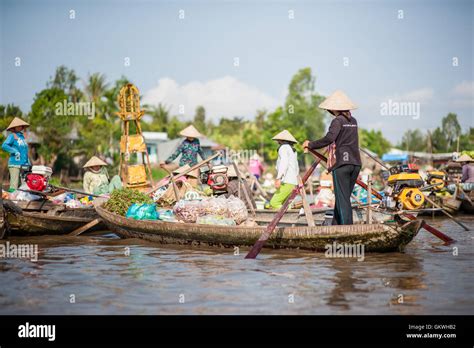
[(43, 218), (374, 237), (293, 217)]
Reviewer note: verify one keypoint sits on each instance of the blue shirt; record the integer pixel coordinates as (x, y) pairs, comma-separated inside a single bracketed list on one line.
[(17, 147)]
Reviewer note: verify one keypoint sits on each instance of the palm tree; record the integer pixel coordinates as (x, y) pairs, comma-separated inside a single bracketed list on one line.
[(96, 87), (160, 116)]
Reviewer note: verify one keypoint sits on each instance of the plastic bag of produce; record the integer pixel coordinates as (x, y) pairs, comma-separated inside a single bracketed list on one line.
[(24, 196), (74, 203), (237, 210), (215, 220), (166, 215), (216, 206), (142, 212), (188, 211)]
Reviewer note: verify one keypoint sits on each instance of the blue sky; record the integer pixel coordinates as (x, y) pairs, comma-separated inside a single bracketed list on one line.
[(190, 61)]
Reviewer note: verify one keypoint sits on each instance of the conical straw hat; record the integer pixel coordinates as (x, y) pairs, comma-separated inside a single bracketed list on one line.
[(338, 101), (285, 135), (465, 158), (190, 132), (193, 173), (94, 161), (17, 122)]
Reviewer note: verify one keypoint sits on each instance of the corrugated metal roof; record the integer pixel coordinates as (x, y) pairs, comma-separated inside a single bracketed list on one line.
[(163, 136)]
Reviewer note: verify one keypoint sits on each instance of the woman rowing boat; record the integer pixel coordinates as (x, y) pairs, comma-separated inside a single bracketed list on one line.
[(344, 157)]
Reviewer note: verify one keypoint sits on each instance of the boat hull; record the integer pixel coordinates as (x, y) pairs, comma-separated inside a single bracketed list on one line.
[(37, 219), (375, 237)]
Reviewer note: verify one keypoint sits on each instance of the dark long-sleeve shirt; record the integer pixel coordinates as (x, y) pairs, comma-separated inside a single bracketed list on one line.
[(344, 132)]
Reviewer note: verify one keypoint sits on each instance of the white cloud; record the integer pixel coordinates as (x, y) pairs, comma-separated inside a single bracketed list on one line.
[(464, 89), (421, 95), (225, 96), (463, 95)]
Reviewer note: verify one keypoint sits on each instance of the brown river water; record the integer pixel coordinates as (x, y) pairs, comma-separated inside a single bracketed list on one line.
[(101, 274)]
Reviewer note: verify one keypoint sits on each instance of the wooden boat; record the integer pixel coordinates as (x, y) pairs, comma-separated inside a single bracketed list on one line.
[(44, 217), (294, 217), (374, 237)]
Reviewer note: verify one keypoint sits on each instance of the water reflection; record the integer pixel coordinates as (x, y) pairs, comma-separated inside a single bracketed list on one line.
[(113, 276)]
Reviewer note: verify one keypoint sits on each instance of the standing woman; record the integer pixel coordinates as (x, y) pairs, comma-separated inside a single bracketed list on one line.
[(287, 168), (16, 146), (189, 149), (344, 157)]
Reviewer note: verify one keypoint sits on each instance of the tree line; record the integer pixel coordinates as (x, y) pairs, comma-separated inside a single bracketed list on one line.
[(64, 137)]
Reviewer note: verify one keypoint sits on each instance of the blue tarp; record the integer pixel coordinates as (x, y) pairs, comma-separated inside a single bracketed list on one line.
[(391, 157)]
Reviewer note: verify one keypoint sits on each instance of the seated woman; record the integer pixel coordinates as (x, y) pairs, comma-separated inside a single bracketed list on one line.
[(287, 169), (16, 146), (96, 178)]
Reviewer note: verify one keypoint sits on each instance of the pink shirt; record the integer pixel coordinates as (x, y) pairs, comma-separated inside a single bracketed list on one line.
[(255, 167)]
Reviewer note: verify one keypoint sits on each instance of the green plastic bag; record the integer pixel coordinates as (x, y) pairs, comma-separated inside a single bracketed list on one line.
[(142, 212)]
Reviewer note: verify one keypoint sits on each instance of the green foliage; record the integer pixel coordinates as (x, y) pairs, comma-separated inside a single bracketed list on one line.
[(445, 138), (469, 153), (174, 127), (302, 117), (101, 134), (66, 80), (374, 141), (300, 114), (7, 113), (160, 115), (120, 200), (200, 119), (158, 173), (451, 130), (51, 128), (413, 140), (466, 141)]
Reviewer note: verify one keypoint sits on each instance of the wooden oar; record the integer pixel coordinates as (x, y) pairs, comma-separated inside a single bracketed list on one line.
[(255, 180), (424, 225), (242, 183), (84, 228), (271, 227), (72, 191), (446, 213), (196, 166)]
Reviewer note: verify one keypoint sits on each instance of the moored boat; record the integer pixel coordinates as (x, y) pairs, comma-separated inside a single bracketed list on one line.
[(45, 218), (375, 237)]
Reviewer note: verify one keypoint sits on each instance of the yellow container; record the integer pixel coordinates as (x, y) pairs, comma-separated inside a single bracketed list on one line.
[(136, 143), (136, 174)]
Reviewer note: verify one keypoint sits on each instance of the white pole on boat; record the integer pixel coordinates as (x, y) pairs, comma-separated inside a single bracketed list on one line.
[(369, 199)]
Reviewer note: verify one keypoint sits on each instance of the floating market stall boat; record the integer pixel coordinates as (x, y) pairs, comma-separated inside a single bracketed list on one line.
[(43, 217), (375, 237), (297, 217)]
